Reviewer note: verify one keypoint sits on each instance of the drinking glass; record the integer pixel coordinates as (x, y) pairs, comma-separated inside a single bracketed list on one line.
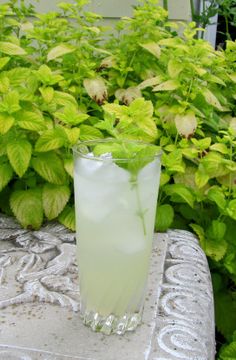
[(115, 213)]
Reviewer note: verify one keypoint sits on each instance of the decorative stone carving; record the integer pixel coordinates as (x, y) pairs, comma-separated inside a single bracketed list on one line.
[(39, 267)]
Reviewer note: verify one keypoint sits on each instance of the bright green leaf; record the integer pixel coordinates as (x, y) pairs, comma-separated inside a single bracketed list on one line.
[(174, 68), (88, 132), (64, 99), (4, 61), (153, 48), (50, 167), (180, 193), (211, 99), (201, 178), (6, 122), (11, 49), (67, 217), (216, 195), (54, 198), (216, 231), (164, 217), (51, 139), (30, 120), (228, 352), (165, 178), (168, 85), (19, 155), (72, 135), (69, 165), (27, 207), (214, 249), (47, 93), (221, 148), (6, 174), (231, 209), (59, 51)]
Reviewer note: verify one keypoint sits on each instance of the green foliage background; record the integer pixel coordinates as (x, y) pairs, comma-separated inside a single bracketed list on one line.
[(64, 79)]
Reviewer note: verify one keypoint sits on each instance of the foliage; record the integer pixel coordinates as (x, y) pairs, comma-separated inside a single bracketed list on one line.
[(59, 84), (224, 8)]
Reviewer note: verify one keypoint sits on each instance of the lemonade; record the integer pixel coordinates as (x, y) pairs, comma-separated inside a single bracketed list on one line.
[(115, 222)]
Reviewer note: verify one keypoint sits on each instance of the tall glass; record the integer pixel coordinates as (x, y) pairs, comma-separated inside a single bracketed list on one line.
[(115, 214)]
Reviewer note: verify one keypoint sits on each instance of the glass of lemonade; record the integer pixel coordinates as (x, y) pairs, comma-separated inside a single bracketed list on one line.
[(116, 186)]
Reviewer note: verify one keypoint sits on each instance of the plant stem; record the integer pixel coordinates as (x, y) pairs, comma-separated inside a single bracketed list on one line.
[(165, 4), (140, 211), (227, 28), (192, 9)]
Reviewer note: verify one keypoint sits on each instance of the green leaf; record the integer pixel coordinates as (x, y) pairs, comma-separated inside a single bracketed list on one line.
[(4, 84), (168, 85), (64, 99), (30, 120), (46, 76), (225, 313), (222, 148), (211, 99), (11, 49), (71, 115), (216, 231), (4, 61), (59, 51), (6, 174), (19, 155), (202, 144), (231, 209), (213, 165), (6, 122), (47, 93), (153, 48), (51, 139), (201, 178), (199, 231), (228, 352), (164, 217), (214, 249), (174, 161), (50, 167), (174, 68), (27, 207), (180, 193), (72, 135), (54, 198), (216, 195), (67, 217), (69, 165), (88, 132), (142, 157), (10, 103), (165, 178)]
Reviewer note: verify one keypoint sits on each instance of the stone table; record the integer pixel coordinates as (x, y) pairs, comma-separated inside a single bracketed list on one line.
[(39, 312)]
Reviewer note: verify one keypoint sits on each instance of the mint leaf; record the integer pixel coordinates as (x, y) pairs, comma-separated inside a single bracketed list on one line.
[(164, 217)]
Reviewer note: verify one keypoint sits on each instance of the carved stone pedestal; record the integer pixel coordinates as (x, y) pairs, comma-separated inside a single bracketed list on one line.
[(39, 297)]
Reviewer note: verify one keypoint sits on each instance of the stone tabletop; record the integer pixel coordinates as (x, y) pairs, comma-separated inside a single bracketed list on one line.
[(39, 301)]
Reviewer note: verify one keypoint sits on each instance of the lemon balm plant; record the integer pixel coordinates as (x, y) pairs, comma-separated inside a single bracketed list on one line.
[(42, 110)]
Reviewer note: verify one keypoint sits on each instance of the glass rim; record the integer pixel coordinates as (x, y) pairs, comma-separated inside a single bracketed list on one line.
[(76, 150)]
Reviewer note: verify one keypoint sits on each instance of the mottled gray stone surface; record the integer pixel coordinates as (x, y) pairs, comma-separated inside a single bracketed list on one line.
[(39, 317)]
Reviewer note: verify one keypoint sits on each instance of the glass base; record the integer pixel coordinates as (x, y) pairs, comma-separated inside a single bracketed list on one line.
[(111, 324)]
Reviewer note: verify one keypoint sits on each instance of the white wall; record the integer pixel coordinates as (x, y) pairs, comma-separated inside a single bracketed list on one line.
[(178, 9)]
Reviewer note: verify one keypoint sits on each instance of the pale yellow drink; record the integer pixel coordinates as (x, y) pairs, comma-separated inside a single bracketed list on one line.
[(115, 222)]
